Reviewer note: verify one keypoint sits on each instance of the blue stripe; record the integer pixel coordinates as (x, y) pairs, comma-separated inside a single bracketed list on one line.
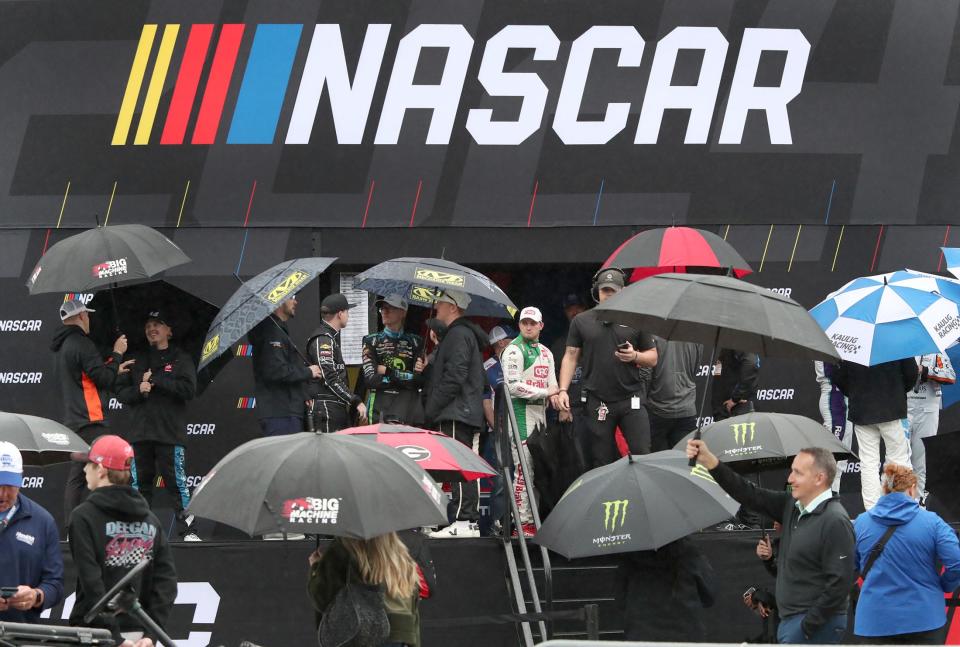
[(866, 308), (264, 84), (133, 474), (899, 340), (181, 475)]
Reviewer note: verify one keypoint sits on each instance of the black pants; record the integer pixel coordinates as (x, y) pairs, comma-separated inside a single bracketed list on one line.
[(665, 433), (933, 637), (633, 423), (281, 426), (150, 458), (329, 417), (75, 491), (465, 505)]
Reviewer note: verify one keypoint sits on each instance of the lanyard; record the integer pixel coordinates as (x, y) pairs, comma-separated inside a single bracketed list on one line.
[(6, 520)]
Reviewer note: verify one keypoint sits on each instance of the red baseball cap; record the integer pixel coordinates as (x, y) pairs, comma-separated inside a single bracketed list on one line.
[(113, 452)]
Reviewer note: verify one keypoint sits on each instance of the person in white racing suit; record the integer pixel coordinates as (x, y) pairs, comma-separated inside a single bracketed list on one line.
[(833, 411), (923, 410), (530, 375)]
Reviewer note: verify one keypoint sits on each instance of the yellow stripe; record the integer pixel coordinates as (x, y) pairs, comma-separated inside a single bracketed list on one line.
[(132, 92), (764, 257), (160, 69), (183, 202), (837, 253), (110, 204), (726, 231), (795, 241), (64, 205)]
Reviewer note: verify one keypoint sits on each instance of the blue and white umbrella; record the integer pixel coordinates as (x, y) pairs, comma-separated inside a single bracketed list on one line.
[(952, 256), (877, 319)]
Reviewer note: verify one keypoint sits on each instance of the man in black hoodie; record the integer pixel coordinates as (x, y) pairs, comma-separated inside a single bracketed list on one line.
[(113, 531), (85, 378), (156, 389), (455, 400)]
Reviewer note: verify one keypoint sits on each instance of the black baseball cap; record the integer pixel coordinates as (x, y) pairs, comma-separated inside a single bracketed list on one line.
[(157, 315), (572, 299), (335, 303)]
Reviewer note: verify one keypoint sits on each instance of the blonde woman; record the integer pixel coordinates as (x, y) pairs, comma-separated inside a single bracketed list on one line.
[(381, 561)]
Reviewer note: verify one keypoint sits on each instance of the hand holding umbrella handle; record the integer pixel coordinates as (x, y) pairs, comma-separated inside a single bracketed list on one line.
[(693, 459)]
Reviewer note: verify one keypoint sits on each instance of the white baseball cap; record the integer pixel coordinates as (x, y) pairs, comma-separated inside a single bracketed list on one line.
[(498, 333), (72, 308), (11, 465), (531, 313)]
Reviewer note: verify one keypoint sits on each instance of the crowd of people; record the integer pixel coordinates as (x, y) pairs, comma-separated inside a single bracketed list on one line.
[(603, 379)]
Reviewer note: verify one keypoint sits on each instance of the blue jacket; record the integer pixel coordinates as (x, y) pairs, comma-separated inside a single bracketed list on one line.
[(903, 592), (30, 555)]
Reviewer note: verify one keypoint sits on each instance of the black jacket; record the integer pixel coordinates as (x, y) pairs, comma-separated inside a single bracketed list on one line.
[(876, 393), (161, 415), (323, 348), (279, 373), (738, 377), (456, 381), (110, 533), (84, 376), (815, 559)]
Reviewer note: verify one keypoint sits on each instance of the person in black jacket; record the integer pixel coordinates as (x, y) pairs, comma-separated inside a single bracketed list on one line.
[(156, 389), (877, 407), (280, 374), (332, 401), (85, 378), (454, 402), (110, 533), (735, 388), (815, 569)]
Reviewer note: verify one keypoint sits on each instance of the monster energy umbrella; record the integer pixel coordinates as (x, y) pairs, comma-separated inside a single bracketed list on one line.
[(40, 441), (757, 441), (255, 300), (316, 483), (421, 280), (635, 503), (104, 256)]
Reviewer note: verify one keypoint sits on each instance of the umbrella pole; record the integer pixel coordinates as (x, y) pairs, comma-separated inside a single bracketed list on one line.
[(703, 399)]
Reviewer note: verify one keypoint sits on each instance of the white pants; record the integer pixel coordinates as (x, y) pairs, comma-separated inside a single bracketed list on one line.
[(894, 437), (523, 483), (924, 421)]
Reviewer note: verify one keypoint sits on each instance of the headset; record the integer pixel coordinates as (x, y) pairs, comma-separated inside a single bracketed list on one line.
[(602, 272)]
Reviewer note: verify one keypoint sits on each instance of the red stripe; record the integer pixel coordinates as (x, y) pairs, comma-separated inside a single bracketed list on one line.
[(416, 201), (363, 224), (876, 249), (188, 79), (92, 398), (215, 94), (683, 246), (45, 242), (946, 236), (250, 204), (533, 201)]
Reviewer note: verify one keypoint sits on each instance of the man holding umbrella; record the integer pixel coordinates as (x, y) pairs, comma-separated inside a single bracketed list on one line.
[(332, 398), (84, 378), (279, 373), (157, 389)]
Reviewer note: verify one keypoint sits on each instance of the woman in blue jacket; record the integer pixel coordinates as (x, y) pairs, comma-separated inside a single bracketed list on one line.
[(901, 601)]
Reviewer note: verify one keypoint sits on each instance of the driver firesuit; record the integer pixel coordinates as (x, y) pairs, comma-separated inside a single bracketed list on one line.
[(394, 396), (923, 409)]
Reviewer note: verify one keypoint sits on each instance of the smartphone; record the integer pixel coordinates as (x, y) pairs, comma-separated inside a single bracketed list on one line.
[(8, 591), (624, 346), (749, 592)]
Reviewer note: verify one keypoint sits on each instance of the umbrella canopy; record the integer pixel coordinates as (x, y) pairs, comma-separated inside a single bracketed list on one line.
[(677, 249), (952, 257), (757, 441), (943, 472), (876, 319), (419, 281), (950, 393), (721, 311), (255, 300), (444, 458), (318, 484), (104, 256), (40, 441), (635, 503)]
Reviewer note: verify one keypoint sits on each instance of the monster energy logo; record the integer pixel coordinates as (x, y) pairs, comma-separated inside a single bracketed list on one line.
[(740, 431), (701, 472), (614, 514)]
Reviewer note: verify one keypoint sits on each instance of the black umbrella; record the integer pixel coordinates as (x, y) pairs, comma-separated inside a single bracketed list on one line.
[(315, 483), (635, 503), (759, 441), (104, 256), (40, 441), (255, 300), (126, 310), (420, 280)]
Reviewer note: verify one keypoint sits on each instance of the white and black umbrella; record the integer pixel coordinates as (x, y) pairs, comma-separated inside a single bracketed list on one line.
[(41, 441)]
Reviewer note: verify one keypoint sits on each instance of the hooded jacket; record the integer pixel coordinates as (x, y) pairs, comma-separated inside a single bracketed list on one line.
[(903, 592), (30, 554), (279, 373), (456, 381), (161, 415), (84, 377), (877, 393), (738, 377), (110, 533)]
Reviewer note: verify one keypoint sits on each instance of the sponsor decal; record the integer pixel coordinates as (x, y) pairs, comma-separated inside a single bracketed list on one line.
[(431, 488), (191, 481), (36, 273), (109, 269), (775, 394), (541, 372), (20, 325), (614, 518), (436, 276), (201, 429), (286, 286), (415, 452), (315, 510), (849, 344), (246, 403), (704, 370), (83, 297), (852, 467), (55, 438), (113, 404), (6, 460), (129, 543), (244, 350), (700, 471), (21, 377), (32, 482), (422, 294), (946, 326), (211, 346), (25, 538), (741, 430), (782, 291)]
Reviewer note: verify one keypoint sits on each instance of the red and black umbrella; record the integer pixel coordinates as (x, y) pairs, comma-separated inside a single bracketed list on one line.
[(677, 249), (445, 459)]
